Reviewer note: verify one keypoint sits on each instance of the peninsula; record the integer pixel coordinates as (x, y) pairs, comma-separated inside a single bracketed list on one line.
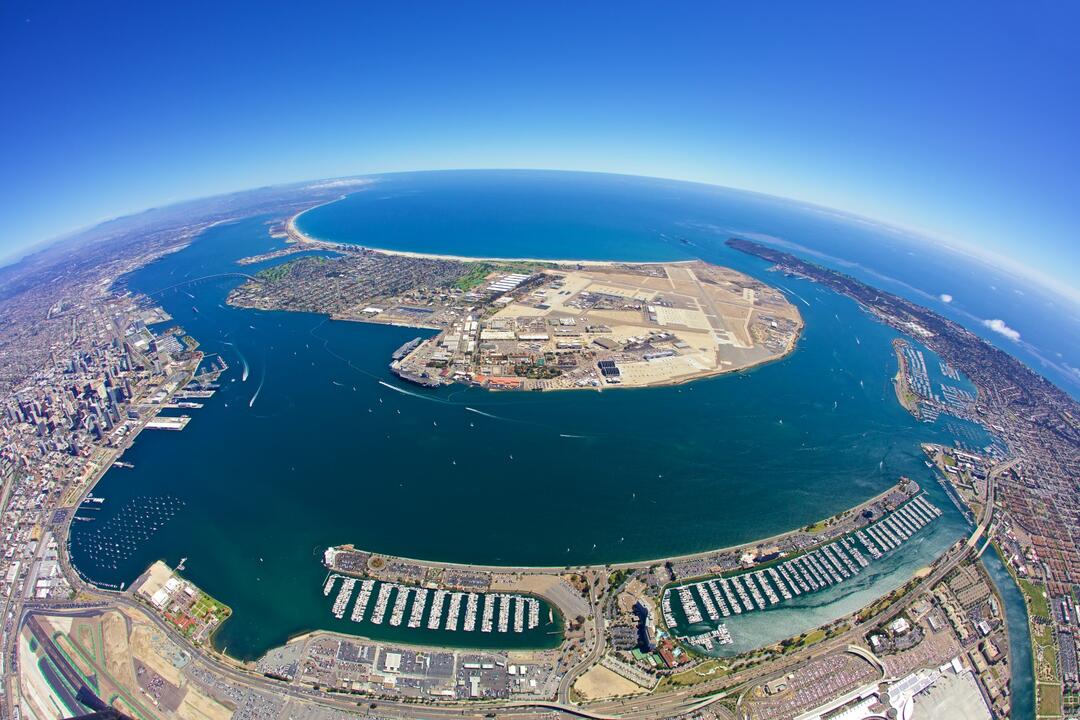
[(526, 324), (671, 637)]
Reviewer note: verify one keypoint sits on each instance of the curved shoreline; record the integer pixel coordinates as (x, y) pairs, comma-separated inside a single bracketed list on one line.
[(300, 239), (641, 564), (298, 236), (295, 234), (814, 531)]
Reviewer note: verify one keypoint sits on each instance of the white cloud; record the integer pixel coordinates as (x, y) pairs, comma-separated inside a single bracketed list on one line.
[(945, 297), (1000, 327), (342, 182)]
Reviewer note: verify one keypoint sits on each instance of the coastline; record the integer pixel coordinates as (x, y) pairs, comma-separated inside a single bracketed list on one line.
[(639, 564), (222, 654), (296, 235), (296, 238), (64, 536)]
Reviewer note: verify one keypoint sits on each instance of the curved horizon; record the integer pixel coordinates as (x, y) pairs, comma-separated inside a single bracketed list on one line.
[(1063, 290), (674, 346)]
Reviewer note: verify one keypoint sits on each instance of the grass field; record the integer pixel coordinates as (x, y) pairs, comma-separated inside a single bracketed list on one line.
[(1044, 650), (1036, 596)]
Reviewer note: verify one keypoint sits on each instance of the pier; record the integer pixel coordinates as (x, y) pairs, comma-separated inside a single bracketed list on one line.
[(408, 605), (830, 564)]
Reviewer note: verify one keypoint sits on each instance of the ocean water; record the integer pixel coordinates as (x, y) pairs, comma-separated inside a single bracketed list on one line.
[(312, 442), (585, 215)]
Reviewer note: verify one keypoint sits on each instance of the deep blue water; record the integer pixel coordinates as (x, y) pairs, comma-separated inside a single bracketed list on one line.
[(311, 450), (582, 215)]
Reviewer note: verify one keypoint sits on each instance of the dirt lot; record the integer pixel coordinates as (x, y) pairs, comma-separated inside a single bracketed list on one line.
[(599, 683)]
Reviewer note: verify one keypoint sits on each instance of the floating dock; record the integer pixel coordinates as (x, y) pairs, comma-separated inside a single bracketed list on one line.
[(409, 606), (826, 565)]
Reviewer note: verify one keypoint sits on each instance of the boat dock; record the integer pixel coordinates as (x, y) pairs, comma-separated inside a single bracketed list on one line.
[(470, 612), (362, 601), (168, 423), (489, 613), (343, 597), (436, 609), (380, 604), (835, 562), (416, 607), (193, 394), (455, 610), (398, 614)]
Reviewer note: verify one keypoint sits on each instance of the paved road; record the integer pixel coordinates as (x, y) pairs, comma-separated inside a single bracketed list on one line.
[(642, 708), (649, 707), (591, 657), (655, 707), (988, 507)]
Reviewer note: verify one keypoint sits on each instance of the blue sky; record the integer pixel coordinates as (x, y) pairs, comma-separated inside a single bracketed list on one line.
[(958, 120)]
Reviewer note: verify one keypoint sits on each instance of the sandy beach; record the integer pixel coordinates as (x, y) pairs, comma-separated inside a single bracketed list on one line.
[(297, 235)]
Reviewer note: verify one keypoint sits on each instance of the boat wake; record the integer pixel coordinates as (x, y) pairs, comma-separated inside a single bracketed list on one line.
[(403, 391), (487, 415), (803, 300), (251, 403), (243, 361)]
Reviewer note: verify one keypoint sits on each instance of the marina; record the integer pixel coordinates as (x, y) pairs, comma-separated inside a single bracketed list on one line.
[(112, 542), (686, 607), (398, 612), (360, 607), (344, 595), (470, 613), (399, 605), (380, 604), (418, 608), (436, 610), (309, 354)]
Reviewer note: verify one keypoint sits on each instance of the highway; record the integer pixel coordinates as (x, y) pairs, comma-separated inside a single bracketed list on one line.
[(649, 707), (660, 706), (637, 708), (595, 651)]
